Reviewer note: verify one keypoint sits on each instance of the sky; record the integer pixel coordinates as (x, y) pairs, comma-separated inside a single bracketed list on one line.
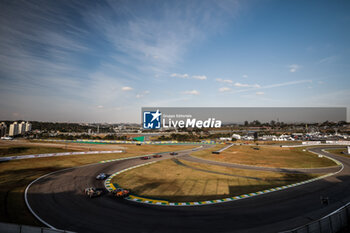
[(101, 61)]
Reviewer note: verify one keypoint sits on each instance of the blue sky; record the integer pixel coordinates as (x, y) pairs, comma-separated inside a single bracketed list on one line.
[(86, 61)]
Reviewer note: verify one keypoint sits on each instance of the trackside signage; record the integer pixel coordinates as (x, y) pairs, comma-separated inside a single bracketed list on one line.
[(157, 119), (163, 118)]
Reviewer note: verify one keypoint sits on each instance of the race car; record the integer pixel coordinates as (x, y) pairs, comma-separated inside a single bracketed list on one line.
[(145, 157), (173, 153), (120, 193), (92, 192), (157, 156), (101, 176)]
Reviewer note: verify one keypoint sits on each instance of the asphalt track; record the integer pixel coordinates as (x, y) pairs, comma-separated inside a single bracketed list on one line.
[(59, 201)]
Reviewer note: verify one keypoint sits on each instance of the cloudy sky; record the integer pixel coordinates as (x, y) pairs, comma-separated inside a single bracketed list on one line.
[(87, 61)]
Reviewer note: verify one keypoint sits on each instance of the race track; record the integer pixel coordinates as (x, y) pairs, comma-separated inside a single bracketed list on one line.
[(58, 200)]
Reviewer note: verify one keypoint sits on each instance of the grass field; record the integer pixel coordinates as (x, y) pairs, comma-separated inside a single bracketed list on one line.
[(170, 181), (16, 175), (267, 156)]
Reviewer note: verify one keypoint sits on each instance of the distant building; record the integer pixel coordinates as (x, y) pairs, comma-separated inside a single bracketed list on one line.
[(3, 129), (21, 127), (28, 127), (13, 131)]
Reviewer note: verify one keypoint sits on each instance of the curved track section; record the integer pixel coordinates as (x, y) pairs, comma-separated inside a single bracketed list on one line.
[(58, 199), (259, 168)]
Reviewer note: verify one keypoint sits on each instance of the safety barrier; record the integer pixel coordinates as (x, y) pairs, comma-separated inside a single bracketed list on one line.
[(58, 154), (127, 142), (332, 223), (15, 228)]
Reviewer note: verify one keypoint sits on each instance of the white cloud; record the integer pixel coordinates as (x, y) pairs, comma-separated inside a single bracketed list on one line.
[(127, 88), (179, 75), (99, 106), (293, 68), (224, 89), (273, 85), (246, 85), (224, 80), (245, 76), (200, 77), (192, 92), (328, 59), (260, 93)]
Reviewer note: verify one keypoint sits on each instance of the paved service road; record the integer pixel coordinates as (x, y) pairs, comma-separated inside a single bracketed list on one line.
[(58, 200)]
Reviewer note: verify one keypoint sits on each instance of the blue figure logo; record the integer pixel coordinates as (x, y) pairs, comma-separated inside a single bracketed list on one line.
[(151, 120)]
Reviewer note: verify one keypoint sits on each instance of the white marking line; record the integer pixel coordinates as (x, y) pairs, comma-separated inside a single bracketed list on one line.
[(27, 203)]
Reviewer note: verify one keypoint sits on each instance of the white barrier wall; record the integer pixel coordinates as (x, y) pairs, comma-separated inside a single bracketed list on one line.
[(14, 228), (58, 154), (338, 142), (311, 143), (332, 223)]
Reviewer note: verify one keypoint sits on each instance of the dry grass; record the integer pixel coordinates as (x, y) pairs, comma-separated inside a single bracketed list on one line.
[(171, 181), (16, 175), (268, 156)]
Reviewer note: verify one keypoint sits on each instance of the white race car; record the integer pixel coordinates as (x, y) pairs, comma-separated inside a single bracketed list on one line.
[(101, 176)]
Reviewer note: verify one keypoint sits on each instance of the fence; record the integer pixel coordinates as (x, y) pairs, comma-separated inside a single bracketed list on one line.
[(332, 223), (14, 228)]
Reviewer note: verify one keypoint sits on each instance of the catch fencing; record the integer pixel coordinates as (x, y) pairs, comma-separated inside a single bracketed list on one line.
[(332, 223), (15, 228)]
